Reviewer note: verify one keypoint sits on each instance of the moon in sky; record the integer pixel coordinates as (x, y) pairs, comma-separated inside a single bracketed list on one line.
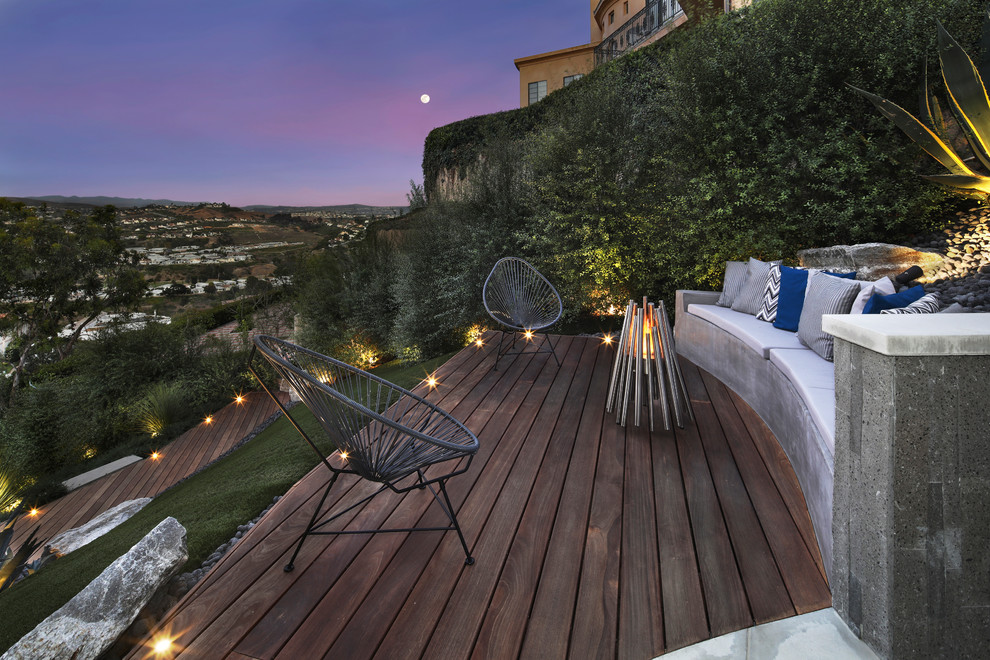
[(425, 98)]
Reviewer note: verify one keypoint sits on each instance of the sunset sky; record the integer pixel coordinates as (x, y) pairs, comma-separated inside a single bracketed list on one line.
[(302, 102)]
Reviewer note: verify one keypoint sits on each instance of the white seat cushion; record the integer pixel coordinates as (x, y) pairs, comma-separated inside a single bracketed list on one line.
[(758, 335), (814, 380)]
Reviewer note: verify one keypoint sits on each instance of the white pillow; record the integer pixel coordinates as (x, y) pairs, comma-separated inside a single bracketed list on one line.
[(882, 286)]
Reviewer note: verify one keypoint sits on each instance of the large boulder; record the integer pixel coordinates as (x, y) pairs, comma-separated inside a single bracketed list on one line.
[(871, 260), (90, 623), (77, 537)]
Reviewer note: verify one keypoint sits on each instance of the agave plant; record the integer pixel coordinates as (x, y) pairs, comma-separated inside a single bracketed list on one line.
[(969, 104), (13, 563)]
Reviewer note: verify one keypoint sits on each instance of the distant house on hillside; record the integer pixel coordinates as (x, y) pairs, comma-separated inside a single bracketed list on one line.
[(617, 27)]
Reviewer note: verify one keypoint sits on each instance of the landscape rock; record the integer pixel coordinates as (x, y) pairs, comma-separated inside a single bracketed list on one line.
[(871, 260), (77, 537), (93, 620)]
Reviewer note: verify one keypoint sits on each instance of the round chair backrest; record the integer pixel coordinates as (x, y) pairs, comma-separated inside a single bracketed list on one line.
[(518, 296), (385, 431)]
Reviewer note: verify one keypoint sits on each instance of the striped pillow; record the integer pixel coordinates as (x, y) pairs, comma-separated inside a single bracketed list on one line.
[(749, 299), (736, 273), (927, 304), (771, 293), (825, 295)]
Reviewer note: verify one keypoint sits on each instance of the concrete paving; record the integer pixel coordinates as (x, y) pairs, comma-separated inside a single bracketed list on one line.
[(820, 635), (102, 471)]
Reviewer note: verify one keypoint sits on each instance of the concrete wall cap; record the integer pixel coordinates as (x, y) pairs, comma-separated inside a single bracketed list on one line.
[(914, 334)]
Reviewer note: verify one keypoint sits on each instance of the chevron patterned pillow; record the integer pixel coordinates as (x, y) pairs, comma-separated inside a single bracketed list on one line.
[(771, 293), (927, 304), (749, 298)]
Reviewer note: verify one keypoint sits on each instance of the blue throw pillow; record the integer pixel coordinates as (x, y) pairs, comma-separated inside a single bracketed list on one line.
[(791, 299), (790, 303), (878, 302)]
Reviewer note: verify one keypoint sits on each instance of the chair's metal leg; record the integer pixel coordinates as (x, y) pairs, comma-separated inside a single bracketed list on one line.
[(288, 567), (449, 510), (552, 351), (498, 353)]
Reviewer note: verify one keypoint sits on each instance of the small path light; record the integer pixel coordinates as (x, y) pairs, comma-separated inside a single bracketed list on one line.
[(528, 334), (431, 381), (155, 456), (208, 420), (239, 399), (162, 646), (34, 513), (607, 339)]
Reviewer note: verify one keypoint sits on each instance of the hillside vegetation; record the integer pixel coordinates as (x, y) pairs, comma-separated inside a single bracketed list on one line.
[(735, 138)]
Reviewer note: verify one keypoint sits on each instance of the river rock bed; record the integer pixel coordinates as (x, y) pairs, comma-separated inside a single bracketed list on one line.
[(965, 274)]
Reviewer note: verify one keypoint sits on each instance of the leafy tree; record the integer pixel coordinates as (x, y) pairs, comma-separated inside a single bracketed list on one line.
[(54, 274), (416, 196)]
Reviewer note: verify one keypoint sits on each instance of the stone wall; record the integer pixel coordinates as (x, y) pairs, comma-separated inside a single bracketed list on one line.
[(911, 512)]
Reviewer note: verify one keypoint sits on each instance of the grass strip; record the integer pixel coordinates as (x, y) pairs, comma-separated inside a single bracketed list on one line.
[(210, 505)]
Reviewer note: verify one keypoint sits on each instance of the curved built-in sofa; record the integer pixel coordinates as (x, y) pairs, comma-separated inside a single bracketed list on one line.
[(786, 383)]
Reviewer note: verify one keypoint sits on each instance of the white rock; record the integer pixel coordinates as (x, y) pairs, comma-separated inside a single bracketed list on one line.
[(91, 622), (77, 537)]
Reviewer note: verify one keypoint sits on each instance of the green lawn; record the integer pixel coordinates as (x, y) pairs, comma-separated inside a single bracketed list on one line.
[(210, 505)]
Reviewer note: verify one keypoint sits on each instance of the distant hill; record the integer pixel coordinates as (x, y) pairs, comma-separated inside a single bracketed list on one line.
[(352, 209), (122, 202)]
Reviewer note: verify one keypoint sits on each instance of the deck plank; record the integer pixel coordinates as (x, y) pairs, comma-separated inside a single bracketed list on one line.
[(783, 476), (765, 590), (685, 619), (512, 590), (548, 629), (410, 634), (796, 564), (725, 598)]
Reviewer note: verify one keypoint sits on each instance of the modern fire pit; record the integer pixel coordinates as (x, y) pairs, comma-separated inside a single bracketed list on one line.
[(646, 369)]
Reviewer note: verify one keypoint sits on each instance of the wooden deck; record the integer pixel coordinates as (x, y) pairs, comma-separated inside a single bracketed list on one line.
[(190, 452), (591, 540)]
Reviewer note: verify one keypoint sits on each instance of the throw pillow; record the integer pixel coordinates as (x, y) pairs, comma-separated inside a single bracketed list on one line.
[(771, 292), (736, 273), (749, 298), (878, 302), (882, 286), (928, 304), (826, 295), (791, 299)]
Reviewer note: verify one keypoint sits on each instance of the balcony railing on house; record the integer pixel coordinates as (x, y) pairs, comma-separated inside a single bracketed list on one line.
[(644, 24)]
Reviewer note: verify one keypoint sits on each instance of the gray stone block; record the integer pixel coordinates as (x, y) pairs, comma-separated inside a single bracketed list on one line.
[(89, 624), (77, 537)]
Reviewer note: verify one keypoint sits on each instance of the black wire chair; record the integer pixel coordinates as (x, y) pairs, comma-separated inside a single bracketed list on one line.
[(382, 432), (519, 297)]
